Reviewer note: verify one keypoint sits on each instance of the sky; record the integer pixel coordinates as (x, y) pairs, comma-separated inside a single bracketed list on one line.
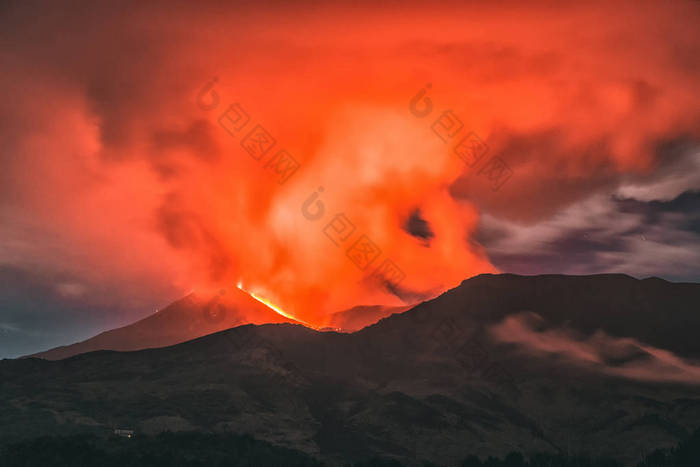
[(326, 155)]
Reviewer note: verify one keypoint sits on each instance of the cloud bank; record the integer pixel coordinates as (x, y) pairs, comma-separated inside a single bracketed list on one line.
[(624, 357)]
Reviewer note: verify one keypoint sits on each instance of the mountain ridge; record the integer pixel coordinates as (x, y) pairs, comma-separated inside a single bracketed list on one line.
[(433, 383)]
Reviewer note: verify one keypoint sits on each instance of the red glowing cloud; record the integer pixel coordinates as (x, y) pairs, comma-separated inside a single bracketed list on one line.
[(127, 164)]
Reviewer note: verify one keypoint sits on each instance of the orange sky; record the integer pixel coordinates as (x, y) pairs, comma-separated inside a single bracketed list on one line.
[(118, 174)]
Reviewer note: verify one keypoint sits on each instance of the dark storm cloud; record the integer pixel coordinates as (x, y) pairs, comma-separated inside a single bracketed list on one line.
[(604, 234), (559, 177)]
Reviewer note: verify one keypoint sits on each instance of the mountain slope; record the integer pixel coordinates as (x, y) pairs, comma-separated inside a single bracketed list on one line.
[(434, 383), (183, 320), (359, 317), (193, 316)]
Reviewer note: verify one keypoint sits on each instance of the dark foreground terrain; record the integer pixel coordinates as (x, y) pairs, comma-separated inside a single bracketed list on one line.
[(194, 449), (500, 364)]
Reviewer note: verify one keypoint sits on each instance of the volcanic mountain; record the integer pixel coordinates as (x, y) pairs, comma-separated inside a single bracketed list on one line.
[(188, 318), (194, 316), (604, 365)]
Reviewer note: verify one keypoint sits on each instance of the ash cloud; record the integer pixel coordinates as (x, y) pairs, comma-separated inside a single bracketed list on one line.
[(112, 172)]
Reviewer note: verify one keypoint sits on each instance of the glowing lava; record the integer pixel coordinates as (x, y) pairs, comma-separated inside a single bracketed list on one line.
[(270, 305)]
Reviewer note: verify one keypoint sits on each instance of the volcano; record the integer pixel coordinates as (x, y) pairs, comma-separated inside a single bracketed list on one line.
[(195, 316), (449, 378), (185, 319)]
